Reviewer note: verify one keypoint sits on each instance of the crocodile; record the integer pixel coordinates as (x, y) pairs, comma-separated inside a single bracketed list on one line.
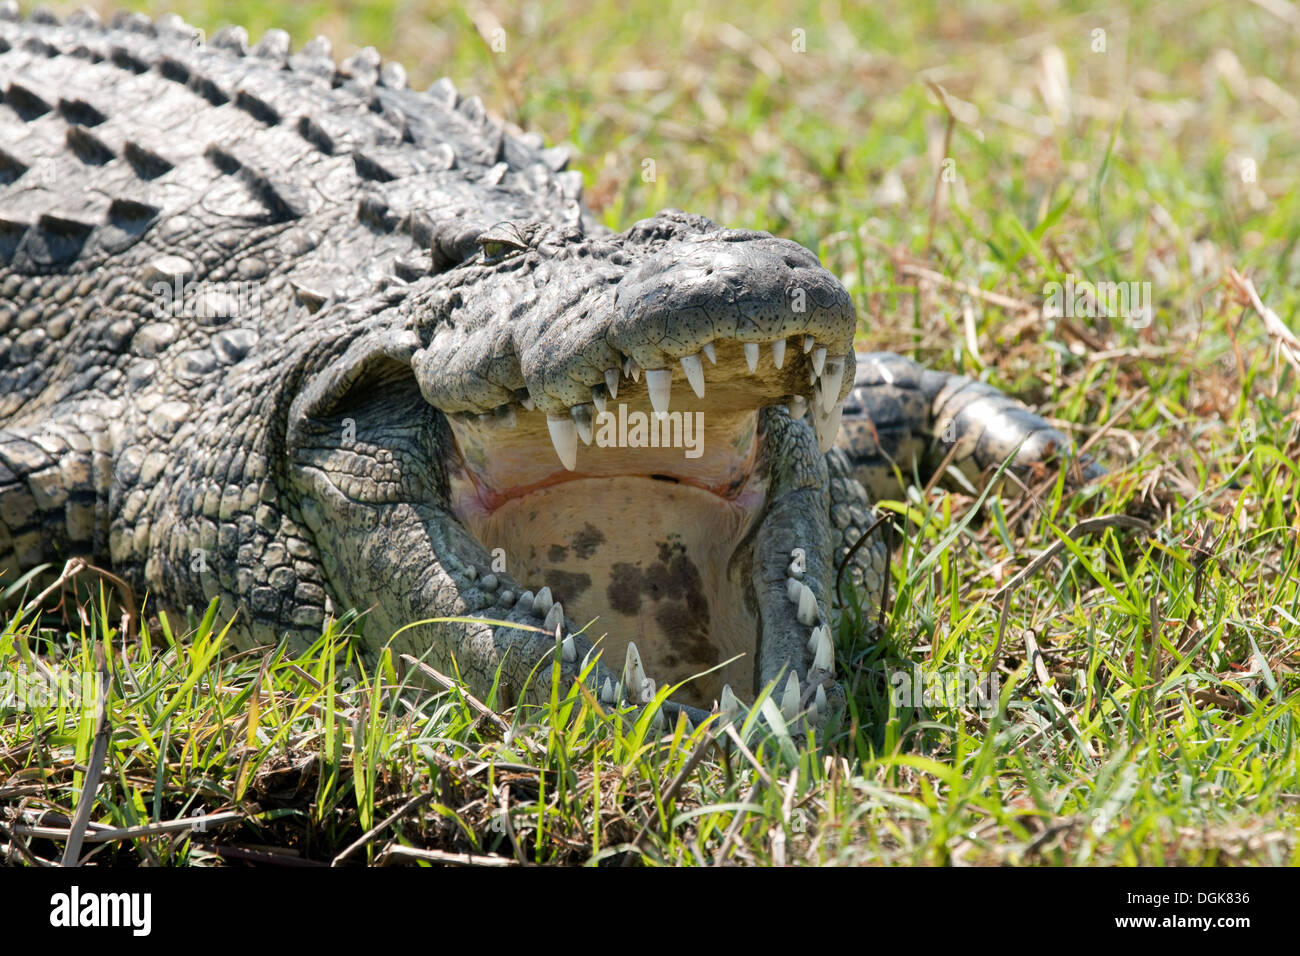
[(286, 333)]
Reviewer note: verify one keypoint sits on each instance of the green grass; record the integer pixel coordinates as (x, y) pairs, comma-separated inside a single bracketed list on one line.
[(1149, 703)]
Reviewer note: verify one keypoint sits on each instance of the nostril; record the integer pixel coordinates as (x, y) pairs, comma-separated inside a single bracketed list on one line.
[(742, 235)]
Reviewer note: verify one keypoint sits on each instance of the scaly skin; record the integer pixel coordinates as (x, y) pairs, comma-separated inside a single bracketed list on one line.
[(395, 324)]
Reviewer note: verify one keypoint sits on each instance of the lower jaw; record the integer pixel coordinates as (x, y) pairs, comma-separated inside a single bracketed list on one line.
[(636, 559)]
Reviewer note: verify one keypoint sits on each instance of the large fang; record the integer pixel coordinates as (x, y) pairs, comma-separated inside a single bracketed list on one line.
[(790, 698), (694, 370), (827, 426), (778, 352), (554, 617), (710, 353), (751, 356), (832, 379), (611, 381), (808, 343), (660, 383), (824, 659), (564, 436), (634, 676), (814, 640), (582, 419), (598, 399), (819, 360), (807, 613)]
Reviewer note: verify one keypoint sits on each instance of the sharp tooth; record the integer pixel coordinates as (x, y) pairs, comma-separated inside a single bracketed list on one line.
[(631, 369), (564, 436), (820, 699), (807, 613), (832, 380), (727, 702), (710, 353), (808, 343), (582, 420), (798, 407), (608, 695), (569, 650), (660, 382), (778, 352), (790, 698), (824, 658), (694, 370), (792, 589), (828, 426), (611, 381), (819, 361), (554, 617), (634, 675), (751, 356), (542, 602), (528, 403), (597, 398), (811, 646)]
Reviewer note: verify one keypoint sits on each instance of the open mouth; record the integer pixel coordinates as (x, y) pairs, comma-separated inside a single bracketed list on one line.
[(639, 510), (614, 442)]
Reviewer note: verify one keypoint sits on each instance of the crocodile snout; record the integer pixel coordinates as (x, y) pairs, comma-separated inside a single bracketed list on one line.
[(734, 285)]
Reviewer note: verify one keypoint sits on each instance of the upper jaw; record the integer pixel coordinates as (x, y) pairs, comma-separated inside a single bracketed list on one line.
[(736, 320), (730, 285)]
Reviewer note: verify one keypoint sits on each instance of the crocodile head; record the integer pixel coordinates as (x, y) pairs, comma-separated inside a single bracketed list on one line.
[(633, 422)]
